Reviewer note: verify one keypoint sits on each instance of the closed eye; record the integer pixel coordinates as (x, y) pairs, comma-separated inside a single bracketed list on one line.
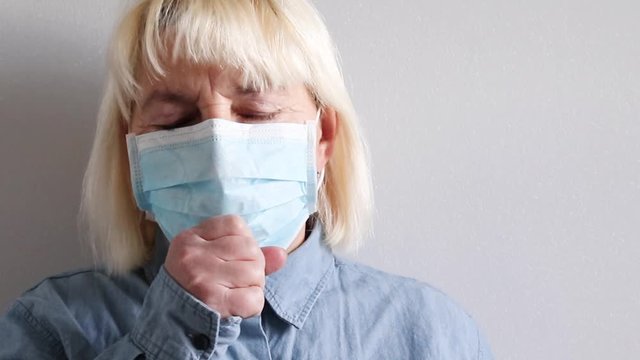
[(185, 121), (262, 116)]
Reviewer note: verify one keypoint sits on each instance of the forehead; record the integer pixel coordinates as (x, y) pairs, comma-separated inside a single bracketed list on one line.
[(275, 43), (184, 85), (185, 77)]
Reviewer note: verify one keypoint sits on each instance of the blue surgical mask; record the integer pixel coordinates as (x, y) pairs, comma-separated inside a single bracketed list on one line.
[(265, 173)]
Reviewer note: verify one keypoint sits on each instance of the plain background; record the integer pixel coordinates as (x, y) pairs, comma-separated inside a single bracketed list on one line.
[(505, 138)]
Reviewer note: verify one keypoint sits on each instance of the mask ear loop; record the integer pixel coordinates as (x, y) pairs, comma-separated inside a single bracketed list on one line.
[(319, 174)]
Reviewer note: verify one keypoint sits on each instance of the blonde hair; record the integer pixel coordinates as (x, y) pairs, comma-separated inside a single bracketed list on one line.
[(274, 43)]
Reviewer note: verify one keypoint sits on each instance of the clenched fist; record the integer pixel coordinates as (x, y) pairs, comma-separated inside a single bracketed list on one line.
[(220, 263)]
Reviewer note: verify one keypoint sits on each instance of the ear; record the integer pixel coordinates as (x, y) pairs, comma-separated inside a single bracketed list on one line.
[(327, 132)]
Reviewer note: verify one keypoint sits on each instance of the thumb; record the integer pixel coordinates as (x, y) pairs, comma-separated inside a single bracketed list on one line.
[(274, 259)]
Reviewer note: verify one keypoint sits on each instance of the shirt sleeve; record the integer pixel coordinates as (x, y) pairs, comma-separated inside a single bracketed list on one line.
[(172, 324), (22, 336), (175, 325)]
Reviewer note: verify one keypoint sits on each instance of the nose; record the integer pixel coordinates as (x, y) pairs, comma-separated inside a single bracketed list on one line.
[(215, 105)]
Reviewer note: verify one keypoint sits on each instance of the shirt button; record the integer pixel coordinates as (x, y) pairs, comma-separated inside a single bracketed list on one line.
[(199, 341)]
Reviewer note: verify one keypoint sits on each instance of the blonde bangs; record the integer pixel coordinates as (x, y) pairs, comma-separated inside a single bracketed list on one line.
[(256, 37), (273, 43)]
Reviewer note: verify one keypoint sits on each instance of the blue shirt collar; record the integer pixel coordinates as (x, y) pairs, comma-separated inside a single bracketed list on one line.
[(293, 290)]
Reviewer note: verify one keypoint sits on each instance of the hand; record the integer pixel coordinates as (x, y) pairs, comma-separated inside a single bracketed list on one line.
[(220, 263)]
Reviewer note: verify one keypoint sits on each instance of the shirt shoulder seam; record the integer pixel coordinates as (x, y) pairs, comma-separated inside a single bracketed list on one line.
[(64, 275), (73, 273)]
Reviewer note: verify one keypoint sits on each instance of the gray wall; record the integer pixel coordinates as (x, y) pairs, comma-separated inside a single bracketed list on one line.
[(506, 145)]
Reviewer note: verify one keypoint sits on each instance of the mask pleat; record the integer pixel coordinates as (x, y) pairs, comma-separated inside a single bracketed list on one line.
[(264, 173)]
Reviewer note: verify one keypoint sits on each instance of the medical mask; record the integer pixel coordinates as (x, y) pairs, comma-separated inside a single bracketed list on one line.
[(265, 173)]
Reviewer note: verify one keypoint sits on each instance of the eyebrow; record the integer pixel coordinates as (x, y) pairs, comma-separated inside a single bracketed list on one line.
[(253, 91), (182, 99), (246, 90)]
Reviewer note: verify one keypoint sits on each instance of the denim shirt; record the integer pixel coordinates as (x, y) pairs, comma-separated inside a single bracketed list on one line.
[(318, 306)]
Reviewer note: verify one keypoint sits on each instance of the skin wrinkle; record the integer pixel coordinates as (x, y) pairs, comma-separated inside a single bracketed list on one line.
[(188, 94), (221, 97)]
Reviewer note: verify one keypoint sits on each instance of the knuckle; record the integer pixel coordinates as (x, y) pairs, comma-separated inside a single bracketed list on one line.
[(246, 302), (260, 279), (259, 260), (243, 245), (254, 301), (249, 245), (183, 237), (182, 255), (255, 275), (235, 224), (200, 289), (177, 259), (257, 298), (185, 263), (257, 253)]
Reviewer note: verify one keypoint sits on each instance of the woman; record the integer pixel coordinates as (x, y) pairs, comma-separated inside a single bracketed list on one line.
[(227, 164)]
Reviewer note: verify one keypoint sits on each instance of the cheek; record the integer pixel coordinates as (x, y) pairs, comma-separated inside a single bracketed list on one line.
[(135, 125)]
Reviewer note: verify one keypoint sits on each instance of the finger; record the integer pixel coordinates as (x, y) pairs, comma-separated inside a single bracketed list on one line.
[(240, 274), (245, 302), (274, 259), (223, 225), (236, 248)]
